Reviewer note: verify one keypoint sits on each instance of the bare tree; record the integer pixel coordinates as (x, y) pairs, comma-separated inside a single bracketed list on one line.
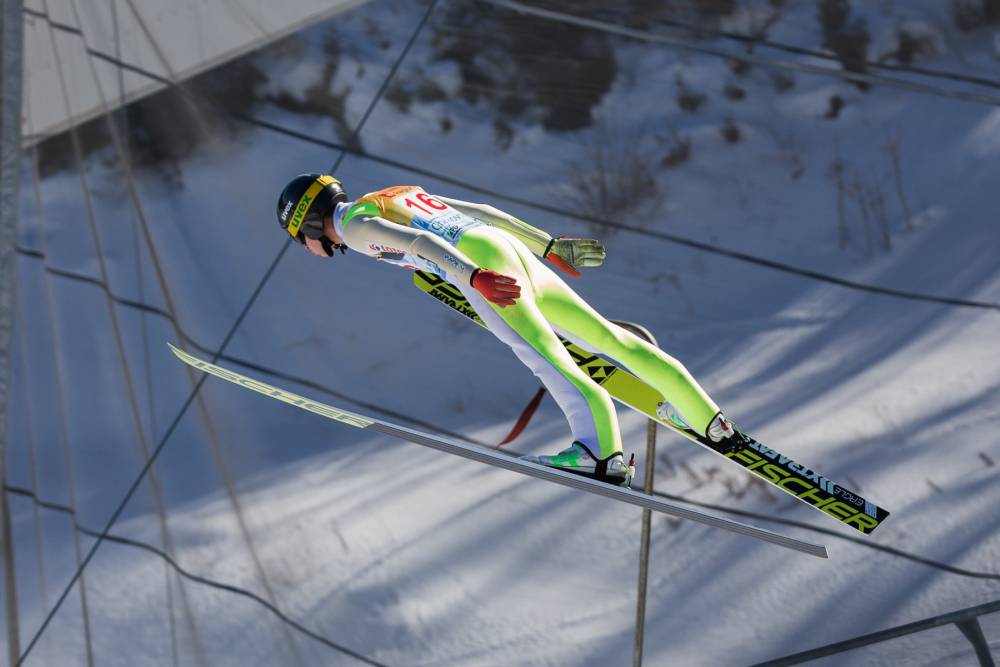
[(892, 147), (857, 189), (616, 177), (837, 169)]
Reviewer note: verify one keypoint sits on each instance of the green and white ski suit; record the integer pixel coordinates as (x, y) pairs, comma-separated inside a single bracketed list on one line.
[(406, 226)]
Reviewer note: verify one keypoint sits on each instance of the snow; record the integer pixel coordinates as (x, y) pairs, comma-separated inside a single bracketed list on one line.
[(411, 557)]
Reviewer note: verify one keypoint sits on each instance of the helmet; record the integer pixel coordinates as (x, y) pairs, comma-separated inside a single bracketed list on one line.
[(305, 202)]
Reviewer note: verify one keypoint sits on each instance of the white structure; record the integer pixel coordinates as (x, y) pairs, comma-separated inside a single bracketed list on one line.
[(173, 39)]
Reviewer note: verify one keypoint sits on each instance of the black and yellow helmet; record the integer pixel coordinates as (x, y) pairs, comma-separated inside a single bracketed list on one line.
[(305, 201)]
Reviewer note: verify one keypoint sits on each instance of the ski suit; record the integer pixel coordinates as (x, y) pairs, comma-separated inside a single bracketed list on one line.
[(405, 225)]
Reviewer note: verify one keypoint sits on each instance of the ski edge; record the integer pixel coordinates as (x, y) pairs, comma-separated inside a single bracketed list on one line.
[(499, 459)]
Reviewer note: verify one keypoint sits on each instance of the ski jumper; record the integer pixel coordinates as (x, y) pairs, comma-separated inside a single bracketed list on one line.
[(404, 225)]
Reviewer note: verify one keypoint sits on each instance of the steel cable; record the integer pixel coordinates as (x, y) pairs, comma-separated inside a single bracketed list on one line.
[(190, 399), (676, 239), (199, 579)]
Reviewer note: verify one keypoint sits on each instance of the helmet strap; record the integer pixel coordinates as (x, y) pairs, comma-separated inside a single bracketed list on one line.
[(329, 246)]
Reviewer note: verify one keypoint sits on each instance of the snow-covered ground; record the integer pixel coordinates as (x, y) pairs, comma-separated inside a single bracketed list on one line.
[(411, 557)]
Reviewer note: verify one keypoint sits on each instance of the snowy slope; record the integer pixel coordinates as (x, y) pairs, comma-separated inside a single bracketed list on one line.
[(412, 558)]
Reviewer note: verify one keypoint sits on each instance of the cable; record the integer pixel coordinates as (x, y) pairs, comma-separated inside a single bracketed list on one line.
[(214, 442), (281, 375), (826, 531), (453, 30), (140, 285), (133, 402), (105, 535), (385, 82), (230, 588), (436, 428), (713, 33), (872, 79), (29, 437), (60, 396), (433, 427), (183, 410), (664, 236), (812, 53)]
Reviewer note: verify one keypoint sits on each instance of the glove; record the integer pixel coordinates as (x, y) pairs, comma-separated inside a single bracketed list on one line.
[(567, 252), (495, 287)]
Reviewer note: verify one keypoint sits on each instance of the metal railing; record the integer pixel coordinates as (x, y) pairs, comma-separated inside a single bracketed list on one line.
[(967, 621)]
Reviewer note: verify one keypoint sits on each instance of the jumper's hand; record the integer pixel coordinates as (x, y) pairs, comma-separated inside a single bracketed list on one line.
[(567, 253), (496, 287)]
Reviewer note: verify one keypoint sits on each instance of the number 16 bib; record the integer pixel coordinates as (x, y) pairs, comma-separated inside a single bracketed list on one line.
[(410, 205)]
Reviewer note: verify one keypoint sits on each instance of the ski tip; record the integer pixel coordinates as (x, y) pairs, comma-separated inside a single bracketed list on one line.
[(181, 354)]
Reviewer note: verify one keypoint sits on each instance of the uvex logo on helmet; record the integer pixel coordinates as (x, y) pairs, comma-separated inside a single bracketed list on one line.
[(301, 209), (284, 213)]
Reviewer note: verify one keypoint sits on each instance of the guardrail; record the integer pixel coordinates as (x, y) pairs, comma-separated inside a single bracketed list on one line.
[(967, 621)]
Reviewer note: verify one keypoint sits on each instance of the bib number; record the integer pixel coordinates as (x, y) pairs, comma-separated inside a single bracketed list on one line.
[(434, 215), (423, 202)]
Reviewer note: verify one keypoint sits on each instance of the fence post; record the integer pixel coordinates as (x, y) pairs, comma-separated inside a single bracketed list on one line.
[(974, 633), (647, 516)]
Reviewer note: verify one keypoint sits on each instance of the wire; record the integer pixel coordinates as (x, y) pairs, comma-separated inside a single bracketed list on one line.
[(751, 40), (436, 428), (713, 33), (133, 402), (187, 403), (29, 437), (214, 442), (230, 588), (826, 531), (60, 400), (104, 535), (385, 82), (664, 236), (458, 31), (722, 508), (686, 45), (281, 375), (140, 285)]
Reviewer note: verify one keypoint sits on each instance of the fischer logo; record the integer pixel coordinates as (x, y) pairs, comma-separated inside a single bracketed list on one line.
[(794, 478), (284, 213), (783, 460)]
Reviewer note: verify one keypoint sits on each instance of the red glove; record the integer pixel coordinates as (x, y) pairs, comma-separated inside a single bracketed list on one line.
[(496, 287)]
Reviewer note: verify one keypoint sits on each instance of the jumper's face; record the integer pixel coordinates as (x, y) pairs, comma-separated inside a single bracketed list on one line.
[(315, 247)]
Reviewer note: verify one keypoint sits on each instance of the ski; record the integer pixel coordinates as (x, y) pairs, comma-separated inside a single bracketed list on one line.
[(810, 487), (498, 458)]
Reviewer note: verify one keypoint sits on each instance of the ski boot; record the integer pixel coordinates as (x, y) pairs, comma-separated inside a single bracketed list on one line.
[(578, 460), (725, 437)]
